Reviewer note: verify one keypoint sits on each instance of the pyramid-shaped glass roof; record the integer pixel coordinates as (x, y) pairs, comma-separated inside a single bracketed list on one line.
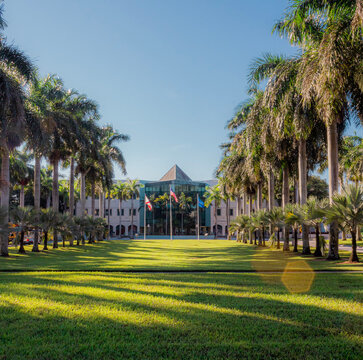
[(175, 173)]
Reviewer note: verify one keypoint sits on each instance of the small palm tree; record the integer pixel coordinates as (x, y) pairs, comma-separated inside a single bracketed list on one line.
[(263, 222), (276, 220), (23, 217), (294, 217), (239, 225), (313, 212), (48, 220), (347, 211)]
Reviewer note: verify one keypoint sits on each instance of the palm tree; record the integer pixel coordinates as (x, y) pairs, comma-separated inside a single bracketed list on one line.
[(275, 217), (295, 219), (239, 225), (119, 191), (163, 200), (23, 217), (313, 212), (213, 195), (14, 68), (48, 220), (20, 172), (263, 221), (330, 34), (347, 211), (184, 205), (132, 192)]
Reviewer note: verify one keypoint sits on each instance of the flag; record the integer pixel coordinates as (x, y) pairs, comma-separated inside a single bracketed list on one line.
[(148, 203), (200, 203), (172, 193)]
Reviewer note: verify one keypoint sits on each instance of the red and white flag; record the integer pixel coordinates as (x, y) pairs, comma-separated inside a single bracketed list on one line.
[(172, 193), (148, 203)]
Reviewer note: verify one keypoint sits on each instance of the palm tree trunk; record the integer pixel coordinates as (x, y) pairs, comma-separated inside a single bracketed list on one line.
[(22, 196), (303, 191), (55, 198), (132, 217), (4, 185), (36, 200), (354, 256), (83, 194), (100, 204), (215, 220), (21, 248), (119, 209), (285, 200), (259, 207), (47, 205), (228, 219), (45, 247), (71, 187), (295, 237), (238, 205), (93, 199), (333, 165), (108, 216), (271, 190), (317, 244), (249, 214), (278, 239)]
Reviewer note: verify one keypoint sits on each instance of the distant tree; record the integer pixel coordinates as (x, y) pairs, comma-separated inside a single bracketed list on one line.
[(318, 187)]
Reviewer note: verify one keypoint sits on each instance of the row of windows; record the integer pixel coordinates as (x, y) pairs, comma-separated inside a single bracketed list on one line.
[(219, 212), (97, 212)]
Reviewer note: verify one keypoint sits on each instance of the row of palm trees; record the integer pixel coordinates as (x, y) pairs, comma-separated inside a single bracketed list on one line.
[(346, 209), (298, 108), (53, 123), (47, 220)]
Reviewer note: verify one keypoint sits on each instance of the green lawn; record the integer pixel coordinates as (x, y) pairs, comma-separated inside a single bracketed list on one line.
[(167, 255), (178, 316), (100, 315)]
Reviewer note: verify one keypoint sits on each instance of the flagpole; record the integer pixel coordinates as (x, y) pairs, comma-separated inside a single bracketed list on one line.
[(145, 217), (171, 216), (198, 230)]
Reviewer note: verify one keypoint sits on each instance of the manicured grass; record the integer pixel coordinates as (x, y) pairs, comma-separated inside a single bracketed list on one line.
[(168, 255), (50, 315)]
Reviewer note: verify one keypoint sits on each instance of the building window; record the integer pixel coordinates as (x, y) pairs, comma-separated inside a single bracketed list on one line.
[(122, 212), (134, 212), (106, 212), (231, 212), (118, 212), (97, 212), (218, 212), (86, 211)]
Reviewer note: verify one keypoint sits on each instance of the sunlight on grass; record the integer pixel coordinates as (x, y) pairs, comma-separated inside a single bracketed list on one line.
[(209, 315), (165, 255)]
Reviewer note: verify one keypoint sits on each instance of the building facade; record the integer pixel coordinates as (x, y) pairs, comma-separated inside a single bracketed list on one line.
[(184, 213)]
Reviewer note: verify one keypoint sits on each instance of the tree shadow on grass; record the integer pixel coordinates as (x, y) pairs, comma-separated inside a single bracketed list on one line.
[(196, 323)]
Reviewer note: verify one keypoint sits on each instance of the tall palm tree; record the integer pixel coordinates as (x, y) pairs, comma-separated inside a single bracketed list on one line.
[(329, 33), (213, 195), (133, 192), (14, 66), (119, 191), (184, 206), (163, 200)]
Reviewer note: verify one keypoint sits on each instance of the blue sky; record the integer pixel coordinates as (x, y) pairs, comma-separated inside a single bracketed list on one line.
[(169, 73)]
